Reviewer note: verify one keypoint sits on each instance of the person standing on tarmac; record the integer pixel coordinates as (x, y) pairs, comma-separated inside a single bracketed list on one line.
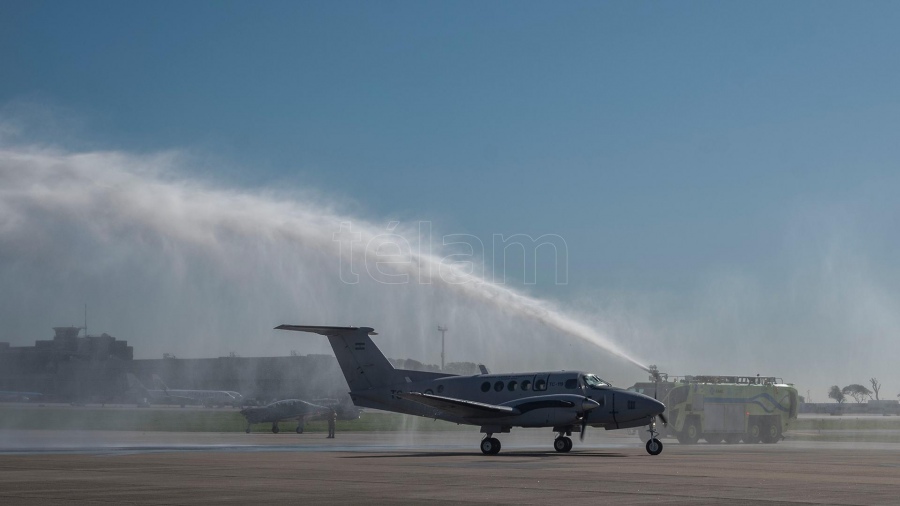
[(332, 418)]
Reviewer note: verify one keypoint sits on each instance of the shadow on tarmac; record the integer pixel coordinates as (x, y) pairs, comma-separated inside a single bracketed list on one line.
[(513, 454)]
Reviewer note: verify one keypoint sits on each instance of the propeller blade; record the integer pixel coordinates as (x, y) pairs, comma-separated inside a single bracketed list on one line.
[(583, 428), (663, 418)]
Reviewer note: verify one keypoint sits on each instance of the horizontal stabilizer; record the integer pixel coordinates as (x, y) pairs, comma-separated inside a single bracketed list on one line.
[(459, 407), (363, 364), (327, 331)]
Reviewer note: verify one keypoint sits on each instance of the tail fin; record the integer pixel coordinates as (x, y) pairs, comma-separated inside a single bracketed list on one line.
[(363, 364)]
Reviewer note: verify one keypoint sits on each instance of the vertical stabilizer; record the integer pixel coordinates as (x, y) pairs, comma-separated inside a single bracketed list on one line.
[(363, 364)]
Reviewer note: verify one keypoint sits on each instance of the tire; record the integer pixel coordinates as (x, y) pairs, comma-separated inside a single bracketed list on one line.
[(568, 443), (299, 430), (654, 446), (771, 432), (496, 449), (247, 430), (490, 446), (754, 432), (560, 445), (690, 434), (274, 429)]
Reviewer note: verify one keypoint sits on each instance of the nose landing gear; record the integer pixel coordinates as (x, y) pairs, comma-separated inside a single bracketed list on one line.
[(654, 445)]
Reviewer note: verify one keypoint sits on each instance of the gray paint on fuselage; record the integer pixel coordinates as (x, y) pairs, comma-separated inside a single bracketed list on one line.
[(614, 411)]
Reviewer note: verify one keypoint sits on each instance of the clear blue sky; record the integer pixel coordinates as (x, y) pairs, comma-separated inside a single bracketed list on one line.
[(665, 141)]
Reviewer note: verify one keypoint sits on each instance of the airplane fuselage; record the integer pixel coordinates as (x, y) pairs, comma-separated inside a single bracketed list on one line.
[(617, 408)]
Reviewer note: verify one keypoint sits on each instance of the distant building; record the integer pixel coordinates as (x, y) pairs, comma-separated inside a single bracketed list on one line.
[(67, 367), (75, 368)]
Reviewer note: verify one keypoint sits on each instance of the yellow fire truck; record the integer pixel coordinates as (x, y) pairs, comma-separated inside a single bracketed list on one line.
[(720, 409)]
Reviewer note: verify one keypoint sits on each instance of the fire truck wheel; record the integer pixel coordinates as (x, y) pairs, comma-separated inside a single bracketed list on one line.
[(754, 433), (690, 434), (771, 432)]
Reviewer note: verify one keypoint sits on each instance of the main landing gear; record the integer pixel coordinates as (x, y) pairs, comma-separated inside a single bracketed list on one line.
[(654, 445), (490, 445), (562, 443), (275, 428)]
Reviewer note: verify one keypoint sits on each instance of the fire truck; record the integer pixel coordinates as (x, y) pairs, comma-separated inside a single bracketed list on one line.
[(719, 409)]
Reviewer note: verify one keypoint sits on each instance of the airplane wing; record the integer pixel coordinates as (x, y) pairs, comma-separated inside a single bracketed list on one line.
[(459, 407)]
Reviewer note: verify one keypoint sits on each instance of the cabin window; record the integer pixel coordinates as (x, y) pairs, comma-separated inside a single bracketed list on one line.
[(440, 389), (571, 384), (540, 384), (486, 386), (630, 404), (498, 386), (512, 386), (526, 385)]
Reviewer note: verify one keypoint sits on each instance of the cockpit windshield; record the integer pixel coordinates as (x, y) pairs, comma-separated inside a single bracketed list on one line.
[(594, 382)]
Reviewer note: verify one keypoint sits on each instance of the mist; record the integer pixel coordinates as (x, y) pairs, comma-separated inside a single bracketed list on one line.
[(176, 261), (180, 264)]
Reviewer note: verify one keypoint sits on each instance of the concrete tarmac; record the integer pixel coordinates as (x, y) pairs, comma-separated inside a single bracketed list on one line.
[(85, 467)]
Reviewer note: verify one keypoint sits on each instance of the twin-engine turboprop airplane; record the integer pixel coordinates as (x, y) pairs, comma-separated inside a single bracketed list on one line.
[(567, 401)]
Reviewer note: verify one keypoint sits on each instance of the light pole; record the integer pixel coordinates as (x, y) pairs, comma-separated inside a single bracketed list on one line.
[(442, 330)]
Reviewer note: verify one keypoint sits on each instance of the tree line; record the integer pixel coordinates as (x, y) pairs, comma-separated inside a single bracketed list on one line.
[(858, 392)]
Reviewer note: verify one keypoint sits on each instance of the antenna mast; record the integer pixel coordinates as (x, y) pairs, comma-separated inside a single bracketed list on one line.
[(442, 330)]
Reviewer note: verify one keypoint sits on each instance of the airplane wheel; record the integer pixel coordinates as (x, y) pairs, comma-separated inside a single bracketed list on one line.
[(654, 446), (562, 444), (490, 446), (299, 430), (274, 429), (247, 430)]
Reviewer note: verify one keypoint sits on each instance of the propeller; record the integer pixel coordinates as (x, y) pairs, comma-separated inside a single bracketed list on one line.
[(586, 405)]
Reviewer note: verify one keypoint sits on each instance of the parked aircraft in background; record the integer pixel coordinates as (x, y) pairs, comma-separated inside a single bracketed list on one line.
[(165, 395), (296, 409), (567, 401), (7, 396)]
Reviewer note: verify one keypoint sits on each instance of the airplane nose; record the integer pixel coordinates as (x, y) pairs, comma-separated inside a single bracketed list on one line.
[(657, 407), (588, 404)]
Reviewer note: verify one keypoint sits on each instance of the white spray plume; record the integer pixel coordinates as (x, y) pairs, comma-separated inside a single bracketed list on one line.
[(184, 259)]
